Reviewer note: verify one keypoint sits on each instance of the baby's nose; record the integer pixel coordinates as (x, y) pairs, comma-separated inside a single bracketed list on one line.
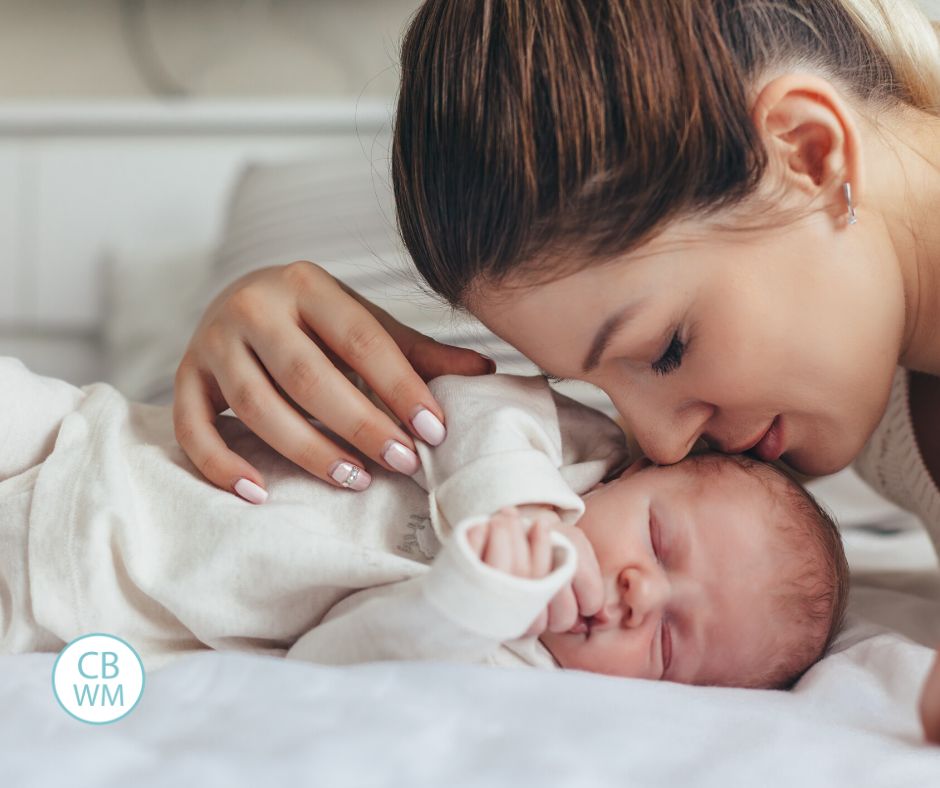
[(642, 592)]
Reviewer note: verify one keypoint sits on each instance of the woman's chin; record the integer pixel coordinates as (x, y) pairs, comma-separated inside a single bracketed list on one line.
[(815, 463)]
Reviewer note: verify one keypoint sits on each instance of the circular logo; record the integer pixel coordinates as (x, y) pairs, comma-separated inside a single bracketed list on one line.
[(98, 678)]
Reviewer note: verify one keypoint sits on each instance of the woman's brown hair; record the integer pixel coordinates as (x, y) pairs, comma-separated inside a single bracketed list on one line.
[(539, 135)]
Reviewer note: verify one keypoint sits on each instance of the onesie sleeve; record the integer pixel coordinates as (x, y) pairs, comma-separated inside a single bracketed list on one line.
[(459, 610), (512, 440)]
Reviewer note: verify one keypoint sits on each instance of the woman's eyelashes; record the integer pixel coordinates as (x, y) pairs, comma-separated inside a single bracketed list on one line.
[(671, 359)]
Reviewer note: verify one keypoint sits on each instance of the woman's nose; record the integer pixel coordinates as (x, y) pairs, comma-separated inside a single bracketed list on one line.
[(643, 591), (664, 435)]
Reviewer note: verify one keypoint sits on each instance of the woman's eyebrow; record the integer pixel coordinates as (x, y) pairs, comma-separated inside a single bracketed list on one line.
[(606, 333)]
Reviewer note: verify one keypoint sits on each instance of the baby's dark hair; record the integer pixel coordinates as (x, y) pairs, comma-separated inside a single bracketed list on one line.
[(814, 597)]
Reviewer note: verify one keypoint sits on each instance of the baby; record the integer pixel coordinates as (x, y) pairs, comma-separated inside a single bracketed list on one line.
[(718, 570)]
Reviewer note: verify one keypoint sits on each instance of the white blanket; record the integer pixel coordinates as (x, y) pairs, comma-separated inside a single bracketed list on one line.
[(235, 719)]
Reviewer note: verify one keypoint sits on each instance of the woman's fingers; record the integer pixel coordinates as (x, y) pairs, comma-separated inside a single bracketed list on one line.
[(269, 344), (356, 336), (194, 413), (431, 358), (318, 387), (252, 398)]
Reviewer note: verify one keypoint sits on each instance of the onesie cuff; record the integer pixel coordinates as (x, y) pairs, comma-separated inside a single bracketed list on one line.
[(487, 601), (490, 483)]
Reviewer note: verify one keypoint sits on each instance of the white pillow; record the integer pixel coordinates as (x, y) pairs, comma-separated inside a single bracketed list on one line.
[(153, 302), (334, 205)]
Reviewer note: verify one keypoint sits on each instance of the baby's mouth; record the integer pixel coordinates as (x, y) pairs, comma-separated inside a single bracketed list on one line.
[(585, 624), (582, 626)]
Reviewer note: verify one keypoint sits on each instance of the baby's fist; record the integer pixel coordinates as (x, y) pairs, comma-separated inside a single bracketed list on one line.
[(504, 544)]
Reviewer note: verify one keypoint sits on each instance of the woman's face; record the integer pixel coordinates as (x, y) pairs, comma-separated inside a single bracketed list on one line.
[(778, 341)]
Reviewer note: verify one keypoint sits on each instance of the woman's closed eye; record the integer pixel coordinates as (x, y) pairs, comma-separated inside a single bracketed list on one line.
[(671, 358)]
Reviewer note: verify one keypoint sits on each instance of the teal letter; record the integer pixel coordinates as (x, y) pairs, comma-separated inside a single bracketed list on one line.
[(85, 693), (81, 659), (105, 664), (106, 694)]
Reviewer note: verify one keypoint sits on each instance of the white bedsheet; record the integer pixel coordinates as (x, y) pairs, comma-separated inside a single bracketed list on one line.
[(235, 719)]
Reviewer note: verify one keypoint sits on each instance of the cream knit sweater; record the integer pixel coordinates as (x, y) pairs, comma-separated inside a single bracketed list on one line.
[(892, 464)]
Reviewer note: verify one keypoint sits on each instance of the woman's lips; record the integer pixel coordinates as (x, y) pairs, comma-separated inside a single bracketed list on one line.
[(770, 447), (767, 446)]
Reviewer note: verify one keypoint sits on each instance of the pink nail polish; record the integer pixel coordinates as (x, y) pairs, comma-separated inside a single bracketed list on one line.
[(401, 458), (250, 491), (350, 476), (428, 426)]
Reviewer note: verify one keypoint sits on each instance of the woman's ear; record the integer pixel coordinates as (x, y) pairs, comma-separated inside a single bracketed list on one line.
[(812, 138)]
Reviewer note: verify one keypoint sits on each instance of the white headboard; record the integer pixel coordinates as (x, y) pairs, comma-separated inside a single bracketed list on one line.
[(78, 179)]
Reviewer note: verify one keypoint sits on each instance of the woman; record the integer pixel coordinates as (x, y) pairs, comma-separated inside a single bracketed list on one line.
[(721, 213)]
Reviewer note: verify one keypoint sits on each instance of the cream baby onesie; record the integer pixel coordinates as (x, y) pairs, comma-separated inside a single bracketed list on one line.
[(106, 526)]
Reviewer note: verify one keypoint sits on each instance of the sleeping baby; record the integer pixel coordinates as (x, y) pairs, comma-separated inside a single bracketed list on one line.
[(717, 570)]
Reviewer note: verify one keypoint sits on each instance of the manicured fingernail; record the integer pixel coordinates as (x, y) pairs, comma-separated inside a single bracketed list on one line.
[(428, 426), (250, 491), (401, 458), (349, 475)]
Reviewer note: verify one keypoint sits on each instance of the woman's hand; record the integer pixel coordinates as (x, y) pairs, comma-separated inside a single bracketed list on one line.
[(272, 346)]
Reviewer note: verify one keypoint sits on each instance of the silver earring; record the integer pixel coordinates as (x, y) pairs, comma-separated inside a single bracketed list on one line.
[(847, 188)]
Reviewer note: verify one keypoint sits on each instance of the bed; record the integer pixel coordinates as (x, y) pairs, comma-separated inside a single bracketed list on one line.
[(117, 224)]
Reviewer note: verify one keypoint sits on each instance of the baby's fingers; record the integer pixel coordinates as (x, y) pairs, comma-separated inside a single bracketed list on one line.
[(520, 546), (540, 550), (498, 550), (476, 536), (562, 611)]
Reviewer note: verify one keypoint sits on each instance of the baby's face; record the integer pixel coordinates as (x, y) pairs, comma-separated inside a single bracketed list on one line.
[(689, 563)]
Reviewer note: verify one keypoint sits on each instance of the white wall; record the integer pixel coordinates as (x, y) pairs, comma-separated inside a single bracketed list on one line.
[(81, 48)]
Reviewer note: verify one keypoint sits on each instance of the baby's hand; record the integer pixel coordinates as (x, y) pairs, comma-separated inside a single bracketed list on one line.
[(503, 544), (582, 597)]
